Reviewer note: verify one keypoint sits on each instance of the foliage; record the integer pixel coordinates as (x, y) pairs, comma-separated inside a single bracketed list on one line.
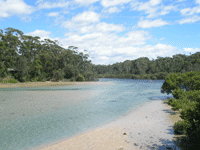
[(73, 79), (187, 81), (180, 127), (34, 59), (153, 69), (80, 77), (186, 91), (8, 79), (58, 75)]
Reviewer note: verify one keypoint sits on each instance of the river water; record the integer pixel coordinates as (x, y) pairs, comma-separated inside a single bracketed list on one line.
[(35, 117)]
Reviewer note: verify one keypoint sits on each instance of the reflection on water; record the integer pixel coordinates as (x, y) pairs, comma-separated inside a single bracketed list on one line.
[(30, 117)]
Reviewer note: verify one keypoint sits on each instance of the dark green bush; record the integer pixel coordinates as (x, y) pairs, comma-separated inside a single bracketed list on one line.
[(58, 75), (186, 91), (134, 76), (80, 77), (73, 79), (180, 127)]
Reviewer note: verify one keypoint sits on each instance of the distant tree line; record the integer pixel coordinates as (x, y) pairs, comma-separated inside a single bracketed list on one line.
[(34, 59), (185, 89), (143, 68), (40, 60)]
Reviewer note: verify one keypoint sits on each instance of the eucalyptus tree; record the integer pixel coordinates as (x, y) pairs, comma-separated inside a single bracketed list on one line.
[(9, 46)]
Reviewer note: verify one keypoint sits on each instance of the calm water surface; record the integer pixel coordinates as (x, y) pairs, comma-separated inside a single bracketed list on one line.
[(33, 117)]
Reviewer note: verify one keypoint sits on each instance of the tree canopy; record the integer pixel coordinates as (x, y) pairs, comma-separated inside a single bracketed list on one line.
[(34, 59)]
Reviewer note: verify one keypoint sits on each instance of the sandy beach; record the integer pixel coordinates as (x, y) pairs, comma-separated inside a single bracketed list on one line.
[(50, 83), (149, 126)]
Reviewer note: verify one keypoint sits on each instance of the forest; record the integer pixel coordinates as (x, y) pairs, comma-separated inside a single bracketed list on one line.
[(143, 68), (25, 58)]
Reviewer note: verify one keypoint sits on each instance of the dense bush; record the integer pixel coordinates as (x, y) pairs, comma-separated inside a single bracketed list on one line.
[(8, 79), (180, 127), (58, 75), (73, 79), (80, 77), (186, 91), (134, 76)]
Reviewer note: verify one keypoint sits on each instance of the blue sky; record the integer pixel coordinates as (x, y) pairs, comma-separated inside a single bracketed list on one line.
[(110, 30)]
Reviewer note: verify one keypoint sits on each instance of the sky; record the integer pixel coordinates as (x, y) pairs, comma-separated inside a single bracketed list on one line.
[(110, 30)]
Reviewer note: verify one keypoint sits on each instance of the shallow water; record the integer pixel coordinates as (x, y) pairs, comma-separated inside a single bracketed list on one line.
[(31, 117)]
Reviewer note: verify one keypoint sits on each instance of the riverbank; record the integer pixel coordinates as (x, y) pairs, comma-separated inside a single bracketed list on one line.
[(50, 83), (148, 126)]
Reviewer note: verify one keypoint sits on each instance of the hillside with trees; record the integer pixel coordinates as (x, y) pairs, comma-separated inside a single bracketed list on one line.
[(32, 59), (26, 58), (143, 68)]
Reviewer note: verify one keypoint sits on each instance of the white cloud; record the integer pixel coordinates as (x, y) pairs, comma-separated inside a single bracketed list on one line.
[(166, 9), (48, 5), (190, 11), (153, 8), (108, 3), (88, 22), (111, 55), (86, 2), (99, 27), (192, 19), (192, 50), (105, 27), (41, 33), (87, 16), (103, 45), (197, 1), (150, 24), (155, 2), (112, 10), (53, 14), (14, 7)]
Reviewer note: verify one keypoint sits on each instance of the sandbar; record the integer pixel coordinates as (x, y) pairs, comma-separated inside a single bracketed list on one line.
[(49, 83)]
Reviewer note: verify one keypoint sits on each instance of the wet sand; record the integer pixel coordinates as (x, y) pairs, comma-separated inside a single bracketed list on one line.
[(148, 126)]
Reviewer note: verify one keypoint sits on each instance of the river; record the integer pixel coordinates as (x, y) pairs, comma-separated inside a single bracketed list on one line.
[(34, 117)]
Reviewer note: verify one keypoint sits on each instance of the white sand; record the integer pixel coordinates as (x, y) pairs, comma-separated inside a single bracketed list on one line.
[(147, 126)]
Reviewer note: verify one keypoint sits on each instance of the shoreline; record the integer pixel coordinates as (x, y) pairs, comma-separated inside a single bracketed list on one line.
[(148, 126), (50, 83)]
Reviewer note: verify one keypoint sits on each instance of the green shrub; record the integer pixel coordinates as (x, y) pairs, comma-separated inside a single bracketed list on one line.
[(128, 76), (153, 77), (58, 75), (134, 76), (80, 77), (178, 93), (35, 79), (73, 79), (12, 80), (44, 80), (180, 127), (8, 79)]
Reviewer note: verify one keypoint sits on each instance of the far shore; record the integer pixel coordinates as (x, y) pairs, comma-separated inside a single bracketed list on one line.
[(50, 83)]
